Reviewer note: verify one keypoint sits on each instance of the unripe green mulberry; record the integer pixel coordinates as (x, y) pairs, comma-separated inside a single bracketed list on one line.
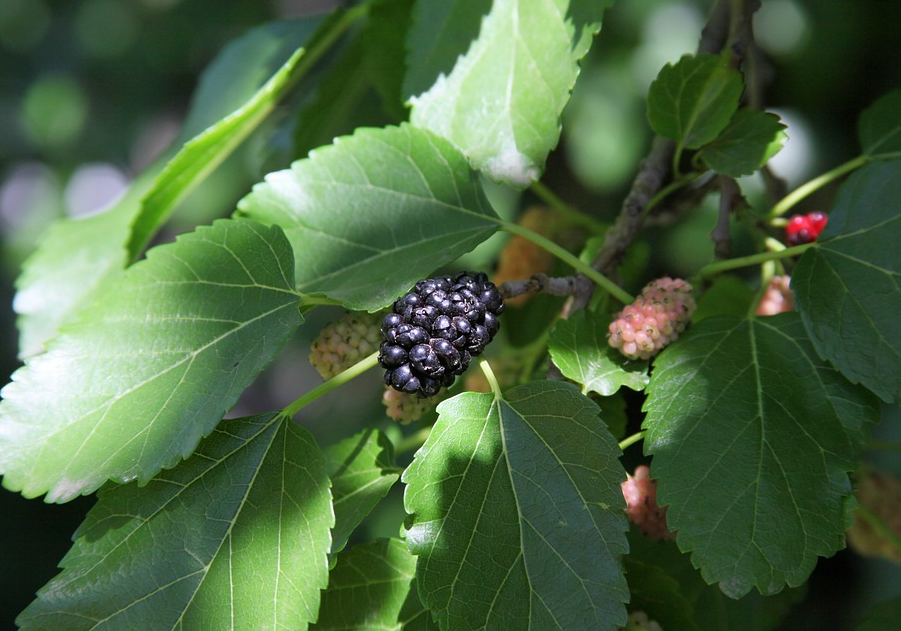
[(406, 408), (656, 318), (344, 342)]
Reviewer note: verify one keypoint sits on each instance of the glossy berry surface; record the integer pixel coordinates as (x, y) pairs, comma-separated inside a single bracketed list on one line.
[(435, 330), (805, 228)]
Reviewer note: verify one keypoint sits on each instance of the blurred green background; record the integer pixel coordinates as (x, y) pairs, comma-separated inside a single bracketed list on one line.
[(92, 90)]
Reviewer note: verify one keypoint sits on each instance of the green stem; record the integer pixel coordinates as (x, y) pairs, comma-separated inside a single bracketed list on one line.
[(787, 202), (744, 261), (413, 442), (666, 190), (631, 440), (338, 380), (575, 262), (876, 523), (489, 375), (571, 214)]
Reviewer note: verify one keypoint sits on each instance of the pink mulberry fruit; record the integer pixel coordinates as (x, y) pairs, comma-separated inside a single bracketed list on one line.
[(656, 318), (640, 492)]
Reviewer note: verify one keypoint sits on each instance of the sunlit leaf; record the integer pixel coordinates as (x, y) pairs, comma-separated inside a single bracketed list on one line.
[(153, 364), (517, 513), (848, 286), (753, 437), (502, 101), (580, 350), (374, 213), (235, 537)]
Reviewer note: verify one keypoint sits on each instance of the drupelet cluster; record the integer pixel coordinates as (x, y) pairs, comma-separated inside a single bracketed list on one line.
[(640, 493), (805, 228), (777, 298), (408, 408), (656, 318), (344, 342), (434, 331)]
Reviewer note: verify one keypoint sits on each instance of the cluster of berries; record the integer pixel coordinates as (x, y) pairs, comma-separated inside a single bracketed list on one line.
[(656, 318), (805, 228), (640, 492), (777, 298), (435, 330), (880, 494), (344, 342)]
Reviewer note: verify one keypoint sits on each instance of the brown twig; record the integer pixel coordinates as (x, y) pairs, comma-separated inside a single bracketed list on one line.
[(730, 197)]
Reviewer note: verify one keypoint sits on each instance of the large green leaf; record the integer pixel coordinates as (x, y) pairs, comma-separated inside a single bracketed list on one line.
[(693, 100), (374, 213), (368, 588), (749, 140), (235, 537), (848, 286), (362, 470), (152, 365), (502, 102), (580, 350), (77, 258), (518, 514), (753, 437), (879, 127)]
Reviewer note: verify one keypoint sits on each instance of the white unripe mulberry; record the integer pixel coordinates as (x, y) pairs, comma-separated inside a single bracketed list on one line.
[(344, 342), (408, 408)]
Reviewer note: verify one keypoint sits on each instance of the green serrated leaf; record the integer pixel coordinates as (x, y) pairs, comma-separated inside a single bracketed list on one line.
[(152, 365), (374, 213), (747, 143), (729, 295), (362, 470), (752, 437), (368, 588), (203, 153), (502, 102), (580, 350), (848, 286), (693, 100), (235, 537), (879, 127), (518, 513)]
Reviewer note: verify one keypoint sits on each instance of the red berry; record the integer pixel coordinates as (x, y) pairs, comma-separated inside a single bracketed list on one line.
[(805, 228)]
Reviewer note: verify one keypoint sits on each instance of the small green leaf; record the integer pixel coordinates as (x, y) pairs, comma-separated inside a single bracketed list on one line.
[(203, 153), (580, 350), (749, 429), (502, 102), (729, 295), (374, 213), (368, 588), (362, 470), (848, 286), (879, 127), (152, 365), (750, 139), (235, 537), (693, 101), (518, 514)]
